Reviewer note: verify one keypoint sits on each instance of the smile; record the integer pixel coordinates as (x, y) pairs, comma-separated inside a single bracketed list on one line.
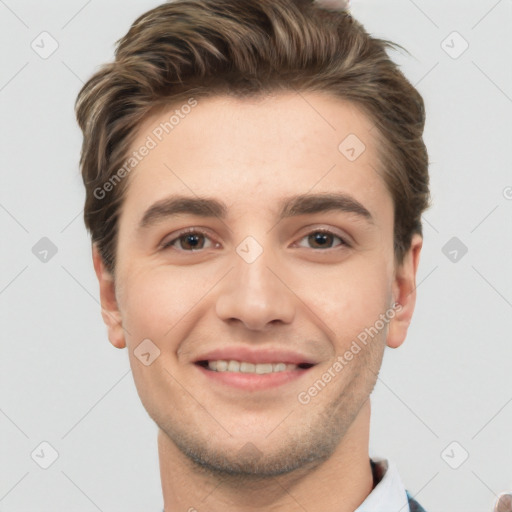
[(246, 367)]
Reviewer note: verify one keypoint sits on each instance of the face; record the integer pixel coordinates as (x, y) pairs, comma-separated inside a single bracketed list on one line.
[(257, 275)]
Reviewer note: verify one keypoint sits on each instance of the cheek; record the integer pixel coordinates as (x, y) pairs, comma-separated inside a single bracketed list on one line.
[(166, 303), (352, 299), (153, 303)]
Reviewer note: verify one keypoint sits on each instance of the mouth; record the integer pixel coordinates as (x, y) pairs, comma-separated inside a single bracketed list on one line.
[(246, 376), (222, 365)]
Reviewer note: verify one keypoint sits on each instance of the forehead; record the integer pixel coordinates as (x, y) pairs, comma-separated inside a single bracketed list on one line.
[(238, 149)]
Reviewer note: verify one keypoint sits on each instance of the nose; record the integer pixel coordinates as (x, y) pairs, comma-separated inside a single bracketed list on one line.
[(255, 293)]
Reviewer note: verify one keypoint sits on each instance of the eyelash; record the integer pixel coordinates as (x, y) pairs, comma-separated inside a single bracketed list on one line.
[(195, 231)]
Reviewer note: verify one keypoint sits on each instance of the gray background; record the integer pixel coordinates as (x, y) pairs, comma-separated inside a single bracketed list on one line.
[(444, 395)]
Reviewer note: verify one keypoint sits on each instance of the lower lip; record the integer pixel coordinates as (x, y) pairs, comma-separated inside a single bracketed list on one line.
[(253, 381)]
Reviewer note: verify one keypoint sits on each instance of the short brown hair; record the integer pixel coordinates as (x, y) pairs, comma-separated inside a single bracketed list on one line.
[(241, 48)]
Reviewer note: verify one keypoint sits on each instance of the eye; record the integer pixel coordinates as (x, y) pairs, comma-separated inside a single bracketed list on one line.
[(323, 238), (189, 240), (195, 239)]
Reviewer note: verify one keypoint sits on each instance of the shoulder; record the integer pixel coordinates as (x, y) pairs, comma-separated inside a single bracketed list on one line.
[(413, 504)]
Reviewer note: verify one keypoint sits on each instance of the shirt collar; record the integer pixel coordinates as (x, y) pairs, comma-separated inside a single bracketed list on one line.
[(389, 494)]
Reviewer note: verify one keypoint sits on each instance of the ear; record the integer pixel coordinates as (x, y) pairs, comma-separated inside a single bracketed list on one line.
[(404, 293), (109, 307)]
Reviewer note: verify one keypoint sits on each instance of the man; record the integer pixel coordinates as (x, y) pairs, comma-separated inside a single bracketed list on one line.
[(255, 177)]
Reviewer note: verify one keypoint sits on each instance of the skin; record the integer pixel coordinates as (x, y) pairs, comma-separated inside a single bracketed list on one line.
[(314, 299)]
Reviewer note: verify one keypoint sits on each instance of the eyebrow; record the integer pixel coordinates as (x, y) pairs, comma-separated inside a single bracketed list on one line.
[(305, 204)]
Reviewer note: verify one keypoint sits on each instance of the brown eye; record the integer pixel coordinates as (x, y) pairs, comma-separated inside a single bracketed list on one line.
[(188, 241), (191, 241), (323, 239)]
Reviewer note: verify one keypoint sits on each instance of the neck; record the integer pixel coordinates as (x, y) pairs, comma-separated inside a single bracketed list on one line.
[(338, 484)]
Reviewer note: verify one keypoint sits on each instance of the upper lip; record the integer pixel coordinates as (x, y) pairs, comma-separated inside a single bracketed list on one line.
[(256, 356)]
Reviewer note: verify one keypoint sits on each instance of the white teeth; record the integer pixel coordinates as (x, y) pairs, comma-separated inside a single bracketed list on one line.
[(222, 366), (247, 367), (243, 367), (233, 366), (264, 368)]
